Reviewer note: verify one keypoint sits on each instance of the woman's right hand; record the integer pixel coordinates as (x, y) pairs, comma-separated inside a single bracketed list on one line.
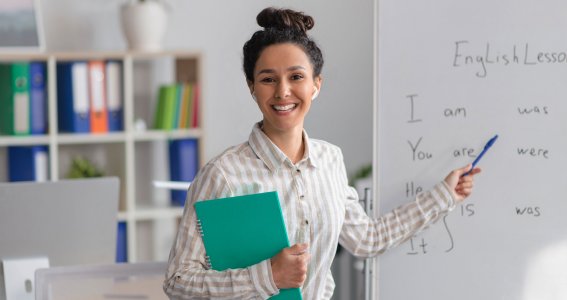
[(289, 267), (459, 185)]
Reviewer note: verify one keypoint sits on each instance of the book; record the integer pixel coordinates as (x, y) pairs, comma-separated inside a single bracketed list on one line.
[(183, 165), (166, 107), (242, 231), (195, 106), (28, 163), (14, 98), (73, 97), (122, 243), (170, 107), (97, 93), (179, 91), (160, 105), (190, 104), (114, 95), (183, 112), (38, 98)]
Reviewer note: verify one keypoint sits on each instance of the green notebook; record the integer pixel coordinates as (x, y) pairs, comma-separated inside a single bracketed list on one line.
[(242, 231)]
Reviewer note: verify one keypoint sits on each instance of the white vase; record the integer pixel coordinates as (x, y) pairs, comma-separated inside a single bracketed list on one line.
[(144, 24)]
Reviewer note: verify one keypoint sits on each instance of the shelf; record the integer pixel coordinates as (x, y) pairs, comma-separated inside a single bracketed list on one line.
[(122, 216), (158, 54), (136, 157), (153, 213), (172, 185), (89, 55), (24, 140), (89, 138), (102, 55), (15, 56), (160, 135)]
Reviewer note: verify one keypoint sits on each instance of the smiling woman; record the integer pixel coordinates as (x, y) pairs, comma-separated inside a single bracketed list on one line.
[(283, 67), (283, 87)]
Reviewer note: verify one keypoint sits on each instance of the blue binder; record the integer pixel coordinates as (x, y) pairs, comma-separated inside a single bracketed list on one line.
[(114, 95), (27, 163), (183, 165), (73, 97), (38, 98), (122, 243)]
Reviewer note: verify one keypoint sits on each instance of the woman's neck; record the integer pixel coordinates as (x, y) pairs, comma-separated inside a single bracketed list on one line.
[(290, 142)]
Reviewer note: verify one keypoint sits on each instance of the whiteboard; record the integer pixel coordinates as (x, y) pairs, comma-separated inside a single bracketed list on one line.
[(449, 76)]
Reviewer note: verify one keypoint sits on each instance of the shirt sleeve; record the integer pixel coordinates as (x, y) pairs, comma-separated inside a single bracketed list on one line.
[(366, 237), (187, 275)]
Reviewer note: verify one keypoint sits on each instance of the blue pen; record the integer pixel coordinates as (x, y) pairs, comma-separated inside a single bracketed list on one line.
[(486, 147)]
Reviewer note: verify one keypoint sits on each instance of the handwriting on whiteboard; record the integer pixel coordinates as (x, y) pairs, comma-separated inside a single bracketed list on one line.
[(480, 57), (418, 151)]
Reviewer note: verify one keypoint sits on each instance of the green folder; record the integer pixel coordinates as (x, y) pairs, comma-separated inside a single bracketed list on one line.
[(14, 98), (242, 231)]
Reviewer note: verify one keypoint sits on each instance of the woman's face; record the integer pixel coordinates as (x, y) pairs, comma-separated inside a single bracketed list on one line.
[(284, 87)]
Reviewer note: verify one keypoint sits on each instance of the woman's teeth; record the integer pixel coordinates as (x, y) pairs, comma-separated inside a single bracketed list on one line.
[(284, 107)]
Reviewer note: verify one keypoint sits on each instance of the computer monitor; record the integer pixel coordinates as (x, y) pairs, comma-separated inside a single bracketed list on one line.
[(71, 222)]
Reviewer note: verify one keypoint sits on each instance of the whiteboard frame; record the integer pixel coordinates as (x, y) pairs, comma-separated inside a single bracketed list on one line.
[(375, 155)]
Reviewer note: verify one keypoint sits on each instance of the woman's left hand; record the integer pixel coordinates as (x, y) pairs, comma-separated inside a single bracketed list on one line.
[(461, 186)]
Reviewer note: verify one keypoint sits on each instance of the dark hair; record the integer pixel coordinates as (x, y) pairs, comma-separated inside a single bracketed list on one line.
[(281, 26)]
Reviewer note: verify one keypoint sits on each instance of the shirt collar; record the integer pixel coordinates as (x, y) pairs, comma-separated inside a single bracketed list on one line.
[(270, 154)]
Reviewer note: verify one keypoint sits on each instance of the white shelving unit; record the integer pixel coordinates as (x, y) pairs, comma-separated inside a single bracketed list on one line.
[(137, 157)]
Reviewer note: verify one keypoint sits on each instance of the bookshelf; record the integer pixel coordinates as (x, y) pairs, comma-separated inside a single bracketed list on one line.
[(137, 156)]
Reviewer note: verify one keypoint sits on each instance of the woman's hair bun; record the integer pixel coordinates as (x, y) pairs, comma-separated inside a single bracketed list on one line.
[(285, 19)]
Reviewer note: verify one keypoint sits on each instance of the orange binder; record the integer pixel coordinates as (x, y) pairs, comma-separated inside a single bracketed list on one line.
[(97, 92)]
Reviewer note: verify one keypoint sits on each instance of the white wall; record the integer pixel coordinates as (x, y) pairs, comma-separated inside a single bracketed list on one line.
[(342, 114)]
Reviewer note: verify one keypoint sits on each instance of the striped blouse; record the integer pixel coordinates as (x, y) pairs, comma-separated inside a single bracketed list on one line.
[(319, 208)]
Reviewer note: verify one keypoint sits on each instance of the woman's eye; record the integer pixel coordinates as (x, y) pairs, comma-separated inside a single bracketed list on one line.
[(297, 77), (267, 80)]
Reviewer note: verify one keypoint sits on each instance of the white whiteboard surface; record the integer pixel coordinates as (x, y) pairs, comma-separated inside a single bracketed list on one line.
[(450, 75)]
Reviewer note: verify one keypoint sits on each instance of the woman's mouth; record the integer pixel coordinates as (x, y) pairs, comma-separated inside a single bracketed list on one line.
[(284, 108)]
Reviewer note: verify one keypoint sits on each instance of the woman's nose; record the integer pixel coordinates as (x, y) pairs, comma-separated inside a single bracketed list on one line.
[(282, 90)]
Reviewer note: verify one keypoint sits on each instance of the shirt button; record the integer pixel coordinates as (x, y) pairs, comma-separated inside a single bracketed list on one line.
[(301, 196), (298, 171), (307, 222)]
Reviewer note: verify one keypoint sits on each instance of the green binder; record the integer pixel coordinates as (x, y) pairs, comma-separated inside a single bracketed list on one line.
[(14, 98), (242, 231)]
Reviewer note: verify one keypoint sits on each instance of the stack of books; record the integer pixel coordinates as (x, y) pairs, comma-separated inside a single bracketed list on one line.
[(177, 107)]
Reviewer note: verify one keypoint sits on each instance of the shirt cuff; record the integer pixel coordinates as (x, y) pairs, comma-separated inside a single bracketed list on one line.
[(263, 280), (442, 194)]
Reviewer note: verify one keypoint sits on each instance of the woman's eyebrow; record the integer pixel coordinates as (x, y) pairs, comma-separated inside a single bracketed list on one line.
[(272, 71)]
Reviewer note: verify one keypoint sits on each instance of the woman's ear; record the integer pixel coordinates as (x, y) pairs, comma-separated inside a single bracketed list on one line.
[(317, 86), (315, 93)]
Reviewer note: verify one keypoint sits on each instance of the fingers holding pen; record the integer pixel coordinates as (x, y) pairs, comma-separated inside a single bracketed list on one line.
[(461, 181), (465, 184)]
